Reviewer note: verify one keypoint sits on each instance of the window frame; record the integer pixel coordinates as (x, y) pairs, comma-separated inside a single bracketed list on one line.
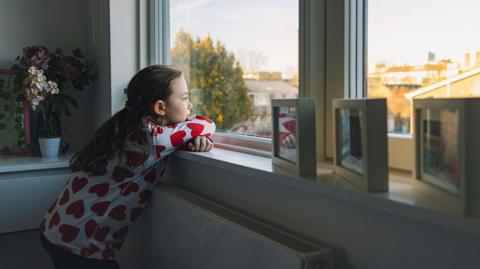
[(311, 64), (356, 62)]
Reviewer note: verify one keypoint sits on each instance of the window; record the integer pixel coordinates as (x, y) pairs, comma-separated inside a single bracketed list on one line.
[(421, 49), (236, 56)]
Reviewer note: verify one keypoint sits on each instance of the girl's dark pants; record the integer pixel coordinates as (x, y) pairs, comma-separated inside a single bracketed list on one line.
[(65, 260)]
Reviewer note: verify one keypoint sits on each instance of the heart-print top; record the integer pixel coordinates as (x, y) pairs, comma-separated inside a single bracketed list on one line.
[(93, 214)]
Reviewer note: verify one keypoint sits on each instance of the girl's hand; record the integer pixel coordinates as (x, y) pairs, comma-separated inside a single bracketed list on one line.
[(200, 143), (290, 141)]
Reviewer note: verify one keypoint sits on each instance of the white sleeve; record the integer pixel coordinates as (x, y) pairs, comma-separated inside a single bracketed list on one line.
[(165, 139)]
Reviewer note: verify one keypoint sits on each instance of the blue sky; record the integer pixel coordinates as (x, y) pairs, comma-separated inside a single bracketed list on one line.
[(399, 31), (268, 27)]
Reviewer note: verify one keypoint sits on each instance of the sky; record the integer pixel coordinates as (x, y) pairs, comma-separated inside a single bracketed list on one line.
[(405, 31), (265, 27), (400, 32)]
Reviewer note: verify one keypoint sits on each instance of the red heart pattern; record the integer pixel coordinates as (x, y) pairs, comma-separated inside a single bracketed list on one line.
[(132, 187), (198, 117), (120, 173), (90, 227), (54, 220), (144, 195), (118, 213), (92, 249), (196, 128), (150, 177), (156, 131), (81, 195), (68, 232), (99, 189), (135, 213), (159, 149), (120, 233), (177, 138), (78, 184), (135, 158), (101, 233), (76, 209), (42, 226), (100, 207), (65, 197), (290, 126), (108, 253), (101, 168)]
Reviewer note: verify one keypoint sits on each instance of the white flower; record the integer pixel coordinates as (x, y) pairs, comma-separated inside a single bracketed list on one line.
[(39, 86), (52, 84), (35, 102), (32, 70)]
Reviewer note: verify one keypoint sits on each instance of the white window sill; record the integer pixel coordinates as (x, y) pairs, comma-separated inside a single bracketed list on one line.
[(401, 199), (9, 164)]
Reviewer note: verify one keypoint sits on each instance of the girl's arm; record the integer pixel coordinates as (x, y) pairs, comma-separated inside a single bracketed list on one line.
[(165, 139)]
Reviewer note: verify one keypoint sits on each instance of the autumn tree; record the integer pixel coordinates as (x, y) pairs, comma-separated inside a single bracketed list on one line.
[(215, 79)]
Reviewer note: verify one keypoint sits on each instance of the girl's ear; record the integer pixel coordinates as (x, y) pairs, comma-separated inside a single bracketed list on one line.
[(159, 108)]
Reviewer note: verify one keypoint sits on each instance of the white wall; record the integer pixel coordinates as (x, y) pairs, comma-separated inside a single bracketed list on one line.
[(53, 23), (124, 48)]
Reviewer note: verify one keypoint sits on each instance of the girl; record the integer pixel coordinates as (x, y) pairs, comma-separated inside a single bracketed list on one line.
[(114, 174)]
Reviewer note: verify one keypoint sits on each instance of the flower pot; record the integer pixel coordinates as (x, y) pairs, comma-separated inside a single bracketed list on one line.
[(49, 146)]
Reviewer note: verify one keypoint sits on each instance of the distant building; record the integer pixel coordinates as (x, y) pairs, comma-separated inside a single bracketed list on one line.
[(261, 92), (471, 60), (263, 75), (466, 84), (262, 88)]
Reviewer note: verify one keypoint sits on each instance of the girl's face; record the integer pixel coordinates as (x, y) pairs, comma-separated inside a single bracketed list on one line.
[(178, 106)]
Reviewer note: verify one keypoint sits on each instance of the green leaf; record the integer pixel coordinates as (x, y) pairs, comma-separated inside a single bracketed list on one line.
[(19, 98), (6, 107), (77, 53), (5, 95), (18, 109), (58, 51), (2, 126), (70, 100), (2, 116)]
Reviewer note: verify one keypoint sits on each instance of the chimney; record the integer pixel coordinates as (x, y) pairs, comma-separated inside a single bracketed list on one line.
[(467, 60)]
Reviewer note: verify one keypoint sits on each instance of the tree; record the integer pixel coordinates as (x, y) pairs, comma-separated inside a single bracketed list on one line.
[(215, 79)]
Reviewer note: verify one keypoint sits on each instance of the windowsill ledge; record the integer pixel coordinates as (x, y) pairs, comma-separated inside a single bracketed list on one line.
[(10, 164), (401, 199)]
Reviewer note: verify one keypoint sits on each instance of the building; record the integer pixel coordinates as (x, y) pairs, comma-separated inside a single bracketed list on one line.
[(462, 85)]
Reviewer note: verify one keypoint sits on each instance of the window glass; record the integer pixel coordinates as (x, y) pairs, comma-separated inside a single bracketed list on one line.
[(422, 49), (236, 56)]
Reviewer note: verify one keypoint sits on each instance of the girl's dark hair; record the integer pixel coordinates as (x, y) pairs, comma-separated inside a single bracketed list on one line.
[(149, 85)]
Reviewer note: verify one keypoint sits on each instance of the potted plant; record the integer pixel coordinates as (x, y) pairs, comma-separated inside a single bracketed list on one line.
[(41, 78), (42, 94)]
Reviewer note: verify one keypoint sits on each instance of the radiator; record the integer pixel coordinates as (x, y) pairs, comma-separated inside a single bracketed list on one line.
[(191, 232)]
